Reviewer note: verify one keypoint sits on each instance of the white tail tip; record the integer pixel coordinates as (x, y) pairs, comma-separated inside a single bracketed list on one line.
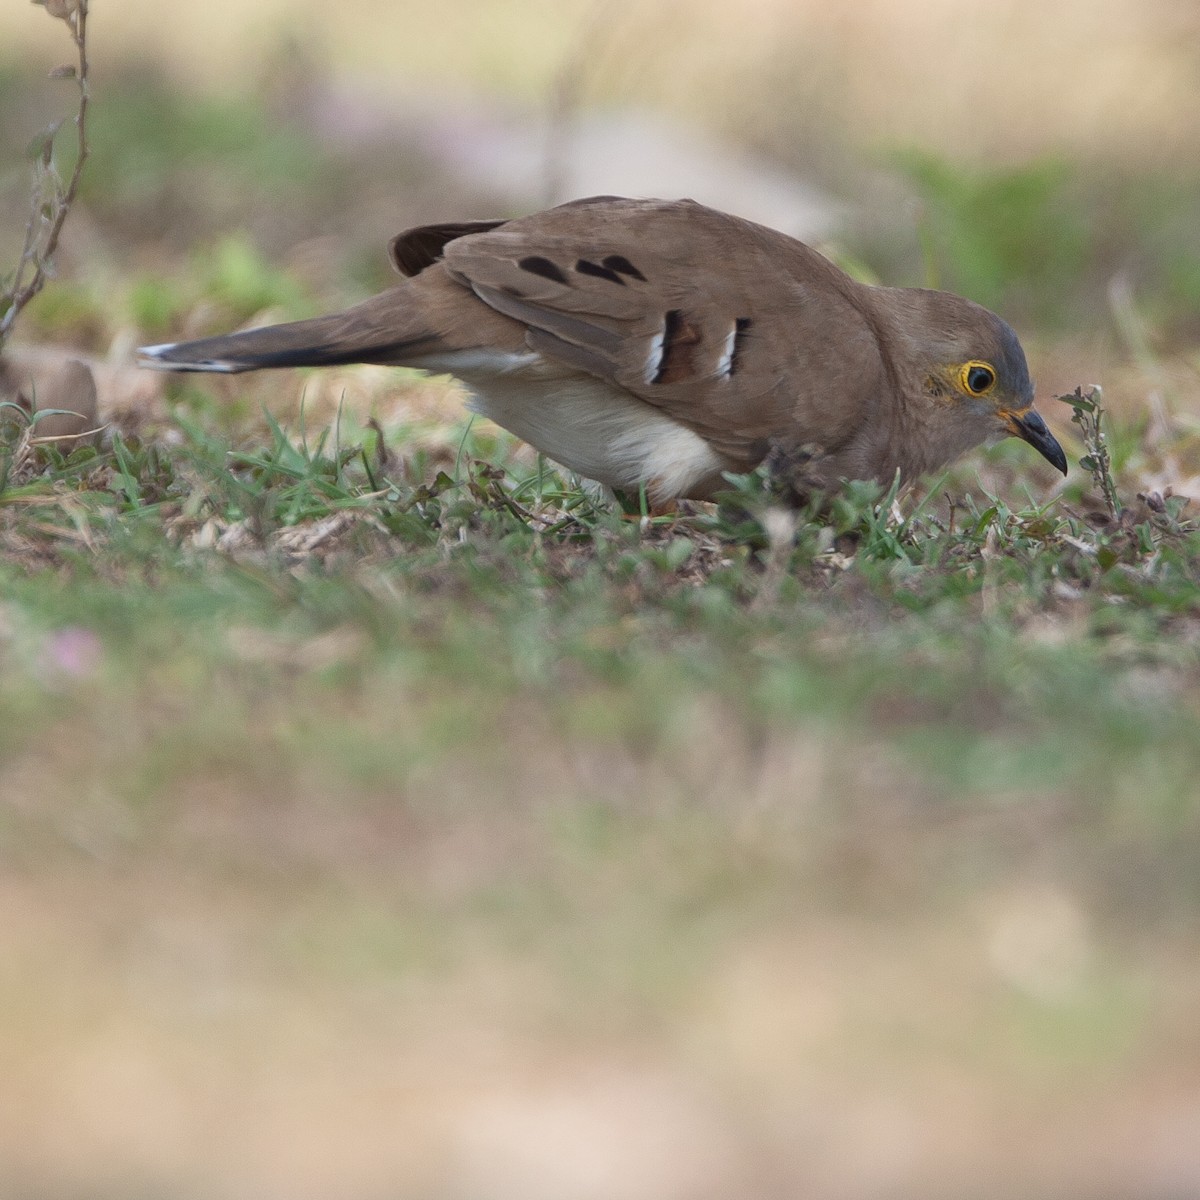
[(159, 358)]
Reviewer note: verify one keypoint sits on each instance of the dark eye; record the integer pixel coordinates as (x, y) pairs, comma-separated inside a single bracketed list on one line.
[(978, 377)]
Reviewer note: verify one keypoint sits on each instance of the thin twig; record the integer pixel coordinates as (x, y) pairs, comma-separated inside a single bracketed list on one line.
[(42, 232)]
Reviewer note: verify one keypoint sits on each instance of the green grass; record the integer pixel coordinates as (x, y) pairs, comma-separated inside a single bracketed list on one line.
[(1009, 627), (969, 697)]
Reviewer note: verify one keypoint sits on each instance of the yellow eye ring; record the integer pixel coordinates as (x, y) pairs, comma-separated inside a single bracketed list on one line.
[(976, 378)]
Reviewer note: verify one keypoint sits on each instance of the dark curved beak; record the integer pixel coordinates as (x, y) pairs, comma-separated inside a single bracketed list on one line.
[(1029, 427)]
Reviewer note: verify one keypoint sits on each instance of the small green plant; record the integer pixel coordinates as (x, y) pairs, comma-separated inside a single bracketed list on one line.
[(1088, 413)]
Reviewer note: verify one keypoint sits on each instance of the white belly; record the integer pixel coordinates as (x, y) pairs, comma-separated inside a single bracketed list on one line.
[(587, 425)]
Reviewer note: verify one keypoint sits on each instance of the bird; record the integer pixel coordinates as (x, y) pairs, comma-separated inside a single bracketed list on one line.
[(662, 345)]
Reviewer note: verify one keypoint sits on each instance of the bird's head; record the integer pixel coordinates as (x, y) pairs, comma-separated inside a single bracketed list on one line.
[(969, 366)]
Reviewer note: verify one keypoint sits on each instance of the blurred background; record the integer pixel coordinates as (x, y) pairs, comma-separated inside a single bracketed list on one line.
[(377, 1002)]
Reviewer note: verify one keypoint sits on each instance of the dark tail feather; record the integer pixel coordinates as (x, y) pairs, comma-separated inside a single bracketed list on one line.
[(368, 333)]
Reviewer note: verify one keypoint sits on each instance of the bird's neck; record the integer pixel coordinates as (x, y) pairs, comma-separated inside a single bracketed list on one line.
[(890, 434), (911, 432)]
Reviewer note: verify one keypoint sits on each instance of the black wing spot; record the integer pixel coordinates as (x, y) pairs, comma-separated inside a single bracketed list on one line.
[(741, 327), (671, 321), (590, 268), (622, 266), (678, 338), (536, 265)]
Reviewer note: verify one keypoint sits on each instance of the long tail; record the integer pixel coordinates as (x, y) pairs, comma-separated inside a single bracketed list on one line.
[(380, 330)]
